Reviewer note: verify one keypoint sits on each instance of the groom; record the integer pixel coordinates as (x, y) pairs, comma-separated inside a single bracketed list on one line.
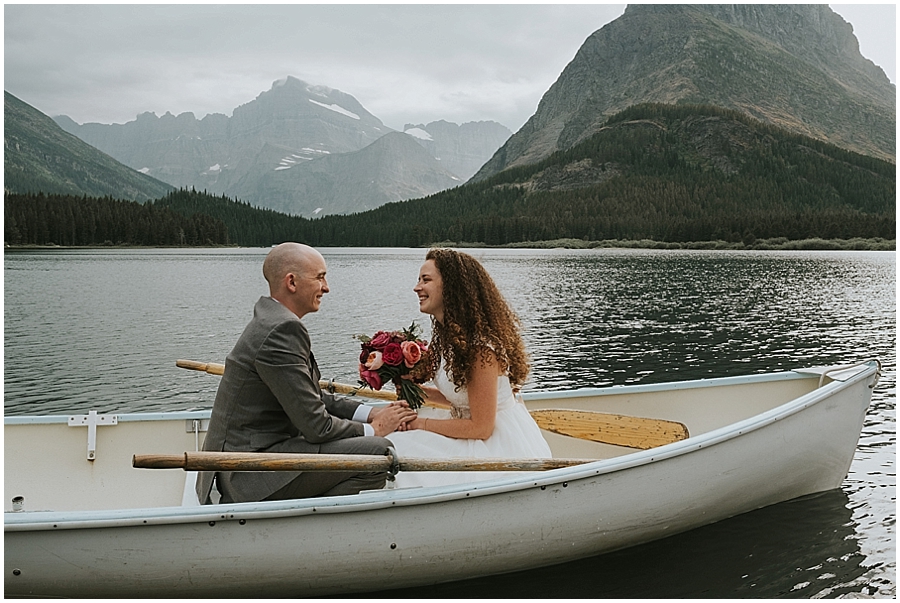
[(269, 399)]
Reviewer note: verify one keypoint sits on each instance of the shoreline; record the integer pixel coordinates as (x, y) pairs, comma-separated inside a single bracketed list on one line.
[(778, 244)]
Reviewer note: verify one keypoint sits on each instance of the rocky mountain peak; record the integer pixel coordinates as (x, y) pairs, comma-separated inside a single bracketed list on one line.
[(260, 153), (461, 149), (794, 66), (812, 31)]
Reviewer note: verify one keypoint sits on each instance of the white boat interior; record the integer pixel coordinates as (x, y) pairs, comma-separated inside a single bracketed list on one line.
[(84, 462)]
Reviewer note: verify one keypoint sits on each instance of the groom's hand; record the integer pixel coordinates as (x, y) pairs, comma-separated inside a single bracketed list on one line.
[(387, 419)]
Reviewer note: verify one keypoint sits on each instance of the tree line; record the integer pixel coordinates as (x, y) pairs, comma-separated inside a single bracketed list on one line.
[(67, 220)]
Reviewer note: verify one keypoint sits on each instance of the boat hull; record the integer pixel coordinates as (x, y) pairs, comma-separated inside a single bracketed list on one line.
[(398, 538)]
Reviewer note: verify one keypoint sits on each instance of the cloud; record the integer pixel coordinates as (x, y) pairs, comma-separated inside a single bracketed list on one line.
[(405, 63), (107, 63)]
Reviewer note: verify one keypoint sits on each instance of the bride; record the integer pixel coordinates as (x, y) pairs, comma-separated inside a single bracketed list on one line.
[(477, 363)]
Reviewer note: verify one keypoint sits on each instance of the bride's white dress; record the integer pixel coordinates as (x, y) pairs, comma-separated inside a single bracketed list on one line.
[(515, 435)]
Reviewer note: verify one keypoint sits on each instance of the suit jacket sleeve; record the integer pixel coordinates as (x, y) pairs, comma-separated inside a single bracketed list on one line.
[(284, 362)]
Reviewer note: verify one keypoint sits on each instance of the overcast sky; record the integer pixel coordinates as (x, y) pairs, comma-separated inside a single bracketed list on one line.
[(405, 63)]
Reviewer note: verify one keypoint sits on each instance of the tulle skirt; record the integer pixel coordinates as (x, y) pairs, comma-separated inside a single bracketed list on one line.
[(516, 435)]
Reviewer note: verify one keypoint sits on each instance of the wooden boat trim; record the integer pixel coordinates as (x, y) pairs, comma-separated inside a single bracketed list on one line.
[(58, 520)]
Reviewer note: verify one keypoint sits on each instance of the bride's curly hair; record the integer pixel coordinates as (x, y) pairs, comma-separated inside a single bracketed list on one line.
[(476, 318)]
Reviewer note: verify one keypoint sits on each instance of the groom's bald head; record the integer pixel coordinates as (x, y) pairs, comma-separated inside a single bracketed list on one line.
[(296, 277), (285, 258)]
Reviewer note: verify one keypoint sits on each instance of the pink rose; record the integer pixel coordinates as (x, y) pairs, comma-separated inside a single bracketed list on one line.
[(372, 378), (392, 354), (412, 353), (374, 361), (380, 340)]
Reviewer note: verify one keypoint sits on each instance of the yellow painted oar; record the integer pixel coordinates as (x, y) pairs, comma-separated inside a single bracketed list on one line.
[(267, 461), (607, 428)]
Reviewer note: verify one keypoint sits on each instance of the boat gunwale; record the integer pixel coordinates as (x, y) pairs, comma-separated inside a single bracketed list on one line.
[(380, 499), (637, 388)]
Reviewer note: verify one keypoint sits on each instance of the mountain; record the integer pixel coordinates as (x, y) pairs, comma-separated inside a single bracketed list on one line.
[(285, 126), (654, 176), (667, 173), (461, 149), (795, 66), (392, 168), (40, 157), (215, 152)]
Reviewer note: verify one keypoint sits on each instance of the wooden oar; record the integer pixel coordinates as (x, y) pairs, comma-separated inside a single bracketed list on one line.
[(607, 428), (214, 368), (265, 461)]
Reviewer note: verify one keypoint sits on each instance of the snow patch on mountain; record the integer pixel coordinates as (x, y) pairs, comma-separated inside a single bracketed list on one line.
[(289, 161), (319, 90), (336, 109), (418, 133)]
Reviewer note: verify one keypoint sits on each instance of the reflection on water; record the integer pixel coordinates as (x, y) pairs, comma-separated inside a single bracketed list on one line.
[(795, 549), (101, 330)]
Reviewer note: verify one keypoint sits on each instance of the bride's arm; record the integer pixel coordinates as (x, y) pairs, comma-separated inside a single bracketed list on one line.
[(482, 390), (434, 397)]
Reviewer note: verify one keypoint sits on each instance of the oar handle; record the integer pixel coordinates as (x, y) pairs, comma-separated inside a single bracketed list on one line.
[(214, 368), (353, 390), (267, 461)]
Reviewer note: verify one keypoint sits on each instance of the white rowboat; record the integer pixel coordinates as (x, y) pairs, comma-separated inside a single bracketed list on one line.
[(81, 522)]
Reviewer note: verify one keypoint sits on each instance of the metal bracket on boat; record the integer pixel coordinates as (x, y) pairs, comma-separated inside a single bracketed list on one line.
[(845, 367), (92, 420), (877, 373), (195, 426), (395, 463)]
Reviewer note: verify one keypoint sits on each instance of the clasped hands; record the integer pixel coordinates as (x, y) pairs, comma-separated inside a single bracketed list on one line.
[(396, 416)]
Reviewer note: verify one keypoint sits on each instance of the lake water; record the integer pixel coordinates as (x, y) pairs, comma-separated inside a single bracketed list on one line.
[(101, 330)]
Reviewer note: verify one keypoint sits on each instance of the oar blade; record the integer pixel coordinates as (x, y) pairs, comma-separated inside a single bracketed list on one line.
[(619, 430)]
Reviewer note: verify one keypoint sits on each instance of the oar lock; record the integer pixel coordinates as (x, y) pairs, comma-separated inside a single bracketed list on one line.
[(394, 469)]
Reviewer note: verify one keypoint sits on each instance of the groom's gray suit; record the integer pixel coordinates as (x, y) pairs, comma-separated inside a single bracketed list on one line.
[(269, 400)]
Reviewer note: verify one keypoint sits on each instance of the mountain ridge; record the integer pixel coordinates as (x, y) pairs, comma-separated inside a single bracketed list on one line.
[(689, 54), (39, 156), (351, 182), (226, 154)]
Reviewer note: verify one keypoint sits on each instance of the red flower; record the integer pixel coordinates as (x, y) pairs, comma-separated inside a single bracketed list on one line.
[(380, 340), (392, 354), (372, 378)]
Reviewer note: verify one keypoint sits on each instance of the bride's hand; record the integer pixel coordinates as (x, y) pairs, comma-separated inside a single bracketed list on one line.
[(390, 418), (417, 423)]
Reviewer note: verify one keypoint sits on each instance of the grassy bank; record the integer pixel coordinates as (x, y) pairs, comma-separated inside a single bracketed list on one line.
[(856, 244)]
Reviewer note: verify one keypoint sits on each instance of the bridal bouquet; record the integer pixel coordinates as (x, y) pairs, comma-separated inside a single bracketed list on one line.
[(391, 356)]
